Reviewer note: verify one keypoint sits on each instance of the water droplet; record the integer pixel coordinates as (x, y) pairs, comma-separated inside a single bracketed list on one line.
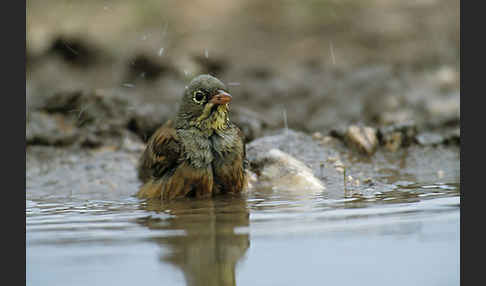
[(331, 48), (161, 51), (285, 122), (164, 30), (145, 37), (440, 174)]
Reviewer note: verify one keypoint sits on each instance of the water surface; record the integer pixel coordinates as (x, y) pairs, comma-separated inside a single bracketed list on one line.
[(408, 236)]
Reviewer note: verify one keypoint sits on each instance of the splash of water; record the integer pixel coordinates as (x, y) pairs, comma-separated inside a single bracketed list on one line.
[(129, 85), (286, 126), (331, 48)]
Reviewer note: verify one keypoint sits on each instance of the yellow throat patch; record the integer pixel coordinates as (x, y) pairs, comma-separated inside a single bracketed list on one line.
[(216, 120)]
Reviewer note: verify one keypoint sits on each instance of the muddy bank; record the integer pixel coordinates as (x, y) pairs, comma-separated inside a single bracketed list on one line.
[(110, 172), (352, 127), (323, 101)]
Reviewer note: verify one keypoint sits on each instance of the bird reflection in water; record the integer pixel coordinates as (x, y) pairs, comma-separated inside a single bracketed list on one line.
[(209, 249)]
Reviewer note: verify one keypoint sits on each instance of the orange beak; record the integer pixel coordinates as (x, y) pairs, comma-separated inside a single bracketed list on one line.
[(221, 98)]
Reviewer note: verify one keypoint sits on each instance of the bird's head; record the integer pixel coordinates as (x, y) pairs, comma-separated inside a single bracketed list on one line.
[(205, 104)]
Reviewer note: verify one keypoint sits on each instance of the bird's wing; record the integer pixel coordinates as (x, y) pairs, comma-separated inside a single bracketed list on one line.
[(161, 154), (242, 136)]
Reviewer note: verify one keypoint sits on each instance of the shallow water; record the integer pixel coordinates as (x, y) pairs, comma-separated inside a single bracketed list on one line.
[(408, 236)]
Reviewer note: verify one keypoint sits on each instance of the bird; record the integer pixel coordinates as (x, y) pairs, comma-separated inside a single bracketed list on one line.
[(200, 152)]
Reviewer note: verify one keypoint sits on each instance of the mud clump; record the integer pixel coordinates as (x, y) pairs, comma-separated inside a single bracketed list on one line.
[(252, 124), (396, 136), (45, 129), (145, 119), (76, 51), (211, 65), (93, 119), (147, 68), (87, 119)]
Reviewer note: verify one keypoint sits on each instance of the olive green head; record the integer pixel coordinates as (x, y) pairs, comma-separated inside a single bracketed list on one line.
[(204, 104)]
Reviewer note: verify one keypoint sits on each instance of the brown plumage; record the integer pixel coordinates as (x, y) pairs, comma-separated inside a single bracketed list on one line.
[(200, 153)]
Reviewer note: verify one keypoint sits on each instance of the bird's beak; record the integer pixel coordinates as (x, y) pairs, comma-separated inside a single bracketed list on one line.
[(221, 98)]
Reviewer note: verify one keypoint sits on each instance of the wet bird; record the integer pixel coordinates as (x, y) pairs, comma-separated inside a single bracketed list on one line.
[(200, 152)]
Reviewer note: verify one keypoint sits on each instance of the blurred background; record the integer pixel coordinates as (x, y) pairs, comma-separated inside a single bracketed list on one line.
[(313, 65)]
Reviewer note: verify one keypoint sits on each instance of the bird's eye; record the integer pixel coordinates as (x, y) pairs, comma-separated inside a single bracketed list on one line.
[(198, 97)]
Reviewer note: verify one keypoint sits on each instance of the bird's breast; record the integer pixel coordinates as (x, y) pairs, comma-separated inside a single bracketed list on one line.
[(197, 148)]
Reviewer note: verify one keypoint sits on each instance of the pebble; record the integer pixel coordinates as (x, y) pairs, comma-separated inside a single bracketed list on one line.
[(284, 172), (317, 136), (429, 138), (362, 138)]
